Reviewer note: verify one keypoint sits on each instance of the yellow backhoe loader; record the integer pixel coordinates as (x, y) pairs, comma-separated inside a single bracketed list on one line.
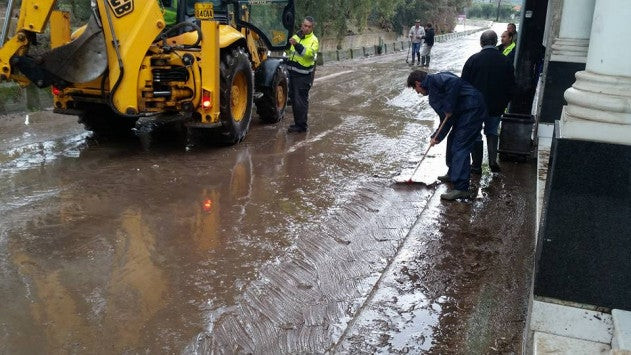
[(204, 62)]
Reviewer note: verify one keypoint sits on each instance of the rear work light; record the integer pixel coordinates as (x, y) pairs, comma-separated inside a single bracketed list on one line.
[(206, 99)]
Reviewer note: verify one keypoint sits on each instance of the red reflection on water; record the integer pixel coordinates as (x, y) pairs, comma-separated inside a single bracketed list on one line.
[(207, 205)]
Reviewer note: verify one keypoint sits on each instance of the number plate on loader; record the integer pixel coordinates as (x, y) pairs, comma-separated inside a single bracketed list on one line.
[(204, 10)]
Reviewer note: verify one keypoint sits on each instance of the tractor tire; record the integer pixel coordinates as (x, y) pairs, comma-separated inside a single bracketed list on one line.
[(103, 122), (271, 106), (236, 90)]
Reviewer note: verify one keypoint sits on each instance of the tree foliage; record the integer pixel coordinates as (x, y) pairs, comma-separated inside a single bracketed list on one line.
[(490, 11), (80, 10), (341, 17)]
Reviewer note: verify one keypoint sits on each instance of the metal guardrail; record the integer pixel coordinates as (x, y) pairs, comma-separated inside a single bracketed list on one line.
[(385, 48), (5, 25)]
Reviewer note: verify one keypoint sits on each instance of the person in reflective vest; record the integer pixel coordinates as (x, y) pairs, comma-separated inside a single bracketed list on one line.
[(301, 55), (507, 46)]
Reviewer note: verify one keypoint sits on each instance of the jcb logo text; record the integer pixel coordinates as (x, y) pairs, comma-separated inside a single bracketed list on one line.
[(121, 7)]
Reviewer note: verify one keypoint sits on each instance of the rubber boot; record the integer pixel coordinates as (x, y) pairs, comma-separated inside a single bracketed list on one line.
[(491, 142), (419, 58), (427, 61), (476, 157)]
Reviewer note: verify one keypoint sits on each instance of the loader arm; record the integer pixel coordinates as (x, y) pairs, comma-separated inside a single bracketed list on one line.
[(117, 38), (34, 15)]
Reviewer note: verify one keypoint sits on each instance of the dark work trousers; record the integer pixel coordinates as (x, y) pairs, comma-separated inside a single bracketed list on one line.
[(299, 86), (460, 142)]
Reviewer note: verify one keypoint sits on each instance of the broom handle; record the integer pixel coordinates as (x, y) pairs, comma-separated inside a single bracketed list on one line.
[(428, 148)]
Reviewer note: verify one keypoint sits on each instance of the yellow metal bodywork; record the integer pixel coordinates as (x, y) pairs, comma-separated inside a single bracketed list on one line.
[(16, 45), (227, 36), (33, 17), (134, 33), (130, 40), (209, 69), (78, 32), (59, 28), (252, 38)]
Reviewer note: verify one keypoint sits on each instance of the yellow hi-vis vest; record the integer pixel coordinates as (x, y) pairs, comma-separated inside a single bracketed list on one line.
[(508, 48), (303, 62)]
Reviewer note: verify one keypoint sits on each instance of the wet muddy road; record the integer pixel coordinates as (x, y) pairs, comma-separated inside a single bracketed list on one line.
[(284, 243)]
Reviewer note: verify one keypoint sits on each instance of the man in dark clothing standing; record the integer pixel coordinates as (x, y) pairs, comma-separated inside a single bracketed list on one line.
[(463, 108), (427, 46), (490, 72)]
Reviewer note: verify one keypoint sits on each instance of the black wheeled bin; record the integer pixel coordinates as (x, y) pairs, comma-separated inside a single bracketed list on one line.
[(516, 136)]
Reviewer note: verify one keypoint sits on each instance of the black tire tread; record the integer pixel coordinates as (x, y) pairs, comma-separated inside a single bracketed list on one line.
[(234, 132), (266, 105)]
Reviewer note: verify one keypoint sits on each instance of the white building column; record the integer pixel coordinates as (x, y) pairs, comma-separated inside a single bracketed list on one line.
[(599, 102), (576, 23), (567, 55)]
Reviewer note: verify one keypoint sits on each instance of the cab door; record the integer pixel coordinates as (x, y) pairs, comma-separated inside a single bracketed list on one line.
[(272, 20)]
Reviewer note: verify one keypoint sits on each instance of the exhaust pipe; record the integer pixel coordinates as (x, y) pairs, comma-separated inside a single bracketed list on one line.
[(5, 25)]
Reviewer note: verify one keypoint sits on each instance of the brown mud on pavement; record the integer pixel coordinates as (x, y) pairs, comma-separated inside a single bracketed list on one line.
[(461, 286)]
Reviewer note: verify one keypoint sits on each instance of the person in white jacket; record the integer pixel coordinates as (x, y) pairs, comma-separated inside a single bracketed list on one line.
[(417, 34)]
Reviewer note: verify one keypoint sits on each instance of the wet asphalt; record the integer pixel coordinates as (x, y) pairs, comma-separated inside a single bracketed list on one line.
[(285, 243)]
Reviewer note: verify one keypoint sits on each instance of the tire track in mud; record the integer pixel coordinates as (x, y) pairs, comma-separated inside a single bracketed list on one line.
[(305, 300), (377, 289)]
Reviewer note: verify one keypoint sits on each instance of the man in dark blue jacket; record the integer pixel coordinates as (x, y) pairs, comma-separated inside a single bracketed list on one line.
[(490, 72), (463, 107), (427, 46)]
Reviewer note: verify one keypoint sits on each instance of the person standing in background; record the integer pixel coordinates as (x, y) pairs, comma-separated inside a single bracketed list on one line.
[(427, 46), (417, 33), (301, 56), (490, 72), (507, 46), (512, 29)]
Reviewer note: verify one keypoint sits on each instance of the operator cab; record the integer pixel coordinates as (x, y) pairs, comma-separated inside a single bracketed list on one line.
[(272, 20)]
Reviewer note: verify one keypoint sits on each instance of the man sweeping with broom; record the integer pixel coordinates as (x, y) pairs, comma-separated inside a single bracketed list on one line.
[(461, 109)]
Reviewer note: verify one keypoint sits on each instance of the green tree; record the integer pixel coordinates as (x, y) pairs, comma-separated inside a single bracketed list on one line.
[(335, 18), (488, 11), (79, 9)]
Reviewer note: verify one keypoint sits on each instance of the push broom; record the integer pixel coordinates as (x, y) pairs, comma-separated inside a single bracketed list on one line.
[(410, 181)]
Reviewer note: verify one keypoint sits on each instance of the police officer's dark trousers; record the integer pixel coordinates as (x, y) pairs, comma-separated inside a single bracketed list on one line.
[(299, 86)]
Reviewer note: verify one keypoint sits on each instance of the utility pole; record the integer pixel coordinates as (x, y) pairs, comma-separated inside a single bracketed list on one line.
[(497, 18)]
